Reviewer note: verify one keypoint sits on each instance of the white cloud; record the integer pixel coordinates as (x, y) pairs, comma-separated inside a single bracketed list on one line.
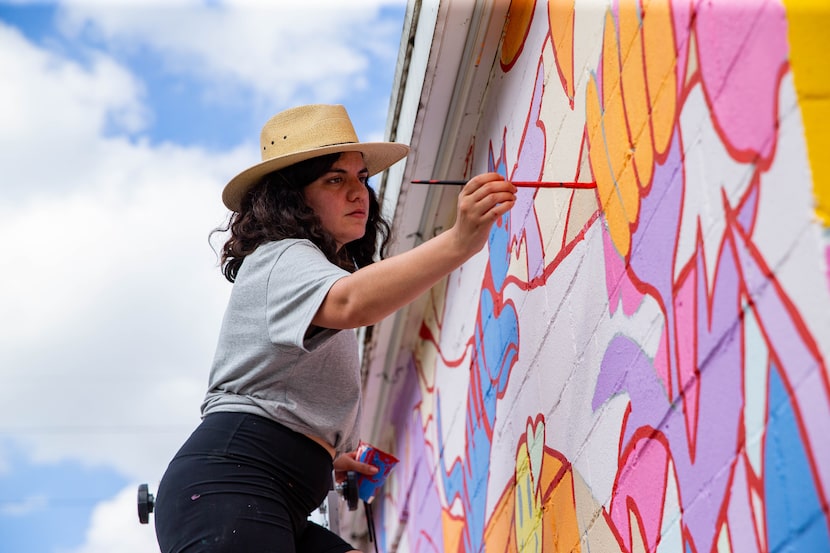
[(110, 294), (316, 50), (54, 111), (114, 526)]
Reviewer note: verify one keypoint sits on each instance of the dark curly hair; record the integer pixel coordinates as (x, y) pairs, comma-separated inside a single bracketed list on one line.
[(275, 209)]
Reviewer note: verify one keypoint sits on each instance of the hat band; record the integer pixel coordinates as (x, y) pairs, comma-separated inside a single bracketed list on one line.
[(337, 144)]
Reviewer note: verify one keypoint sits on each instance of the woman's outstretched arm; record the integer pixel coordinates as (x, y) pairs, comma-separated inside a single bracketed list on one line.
[(373, 292)]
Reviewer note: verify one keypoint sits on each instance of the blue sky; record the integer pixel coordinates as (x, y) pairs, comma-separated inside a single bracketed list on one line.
[(119, 124)]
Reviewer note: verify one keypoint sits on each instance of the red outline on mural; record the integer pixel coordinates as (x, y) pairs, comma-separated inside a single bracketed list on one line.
[(683, 387), (429, 540), (734, 228), (644, 434), (741, 156)]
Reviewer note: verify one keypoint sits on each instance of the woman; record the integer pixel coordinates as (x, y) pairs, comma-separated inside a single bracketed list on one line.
[(283, 402)]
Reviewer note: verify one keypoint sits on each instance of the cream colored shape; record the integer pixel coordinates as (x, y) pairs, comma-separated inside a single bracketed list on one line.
[(562, 157), (536, 449), (756, 385), (724, 546), (584, 207), (709, 173), (517, 264), (563, 126), (595, 533), (758, 512), (589, 24), (671, 536)]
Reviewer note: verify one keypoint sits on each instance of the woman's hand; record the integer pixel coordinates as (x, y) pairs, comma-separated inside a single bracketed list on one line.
[(345, 462), (481, 202)]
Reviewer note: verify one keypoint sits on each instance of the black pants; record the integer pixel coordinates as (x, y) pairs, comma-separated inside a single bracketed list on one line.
[(244, 484)]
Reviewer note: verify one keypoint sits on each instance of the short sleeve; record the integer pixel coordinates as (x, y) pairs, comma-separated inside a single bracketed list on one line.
[(298, 282)]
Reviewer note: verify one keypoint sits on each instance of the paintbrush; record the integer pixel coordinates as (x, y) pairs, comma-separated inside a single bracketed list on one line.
[(520, 184)]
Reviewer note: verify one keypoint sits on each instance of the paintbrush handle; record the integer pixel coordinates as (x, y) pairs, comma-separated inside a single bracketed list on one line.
[(520, 184)]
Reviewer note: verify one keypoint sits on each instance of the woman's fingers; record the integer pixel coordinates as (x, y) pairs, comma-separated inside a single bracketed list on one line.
[(365, 468), (481, 202), (346, 462), (503, 205), (481, 186), (487, 195)]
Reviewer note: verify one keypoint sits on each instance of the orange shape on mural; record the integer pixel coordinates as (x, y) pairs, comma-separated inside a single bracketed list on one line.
[(559, 506), (561, 21), (609, 150), (661, 78), (634, 92), (499, 535), (631, 120), (560, 527), (516, 28), (453, 528)]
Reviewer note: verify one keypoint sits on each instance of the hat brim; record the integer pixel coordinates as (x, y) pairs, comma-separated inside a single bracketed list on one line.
[(377, 155)]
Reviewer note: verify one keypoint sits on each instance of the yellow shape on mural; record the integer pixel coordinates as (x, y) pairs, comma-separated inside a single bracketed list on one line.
[(527, 514), (537, 511), (808, 23)]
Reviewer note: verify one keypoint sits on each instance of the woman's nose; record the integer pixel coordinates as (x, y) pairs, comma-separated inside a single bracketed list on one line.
[(357, 188)]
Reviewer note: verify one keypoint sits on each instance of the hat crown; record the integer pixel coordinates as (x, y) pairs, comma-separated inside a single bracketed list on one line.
[(306, 128), (304, 132)]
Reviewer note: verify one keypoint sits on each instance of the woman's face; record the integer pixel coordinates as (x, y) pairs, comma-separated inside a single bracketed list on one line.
[(340, 198)]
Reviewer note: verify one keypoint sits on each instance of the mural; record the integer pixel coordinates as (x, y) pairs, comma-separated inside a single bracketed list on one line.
[(642, 367)]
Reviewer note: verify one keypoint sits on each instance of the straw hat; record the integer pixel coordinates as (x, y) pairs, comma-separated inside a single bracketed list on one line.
[(305, 132)]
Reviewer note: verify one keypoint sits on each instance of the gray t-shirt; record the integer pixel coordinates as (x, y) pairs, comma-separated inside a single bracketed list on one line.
[(265, 365)]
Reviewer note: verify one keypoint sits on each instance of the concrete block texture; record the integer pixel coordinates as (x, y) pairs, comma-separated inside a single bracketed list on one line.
[(644, 366)]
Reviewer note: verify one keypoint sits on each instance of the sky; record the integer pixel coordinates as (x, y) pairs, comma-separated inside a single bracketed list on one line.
[(120, 122)]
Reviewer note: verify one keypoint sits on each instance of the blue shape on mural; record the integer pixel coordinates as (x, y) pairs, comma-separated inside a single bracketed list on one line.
[(499, 243), (794, 519), (496, 345)]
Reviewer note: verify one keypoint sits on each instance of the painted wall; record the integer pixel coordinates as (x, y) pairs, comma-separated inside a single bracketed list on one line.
[(643, 366)]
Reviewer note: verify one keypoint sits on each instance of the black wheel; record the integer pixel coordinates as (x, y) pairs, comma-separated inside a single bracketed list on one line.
[(146, 502)]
